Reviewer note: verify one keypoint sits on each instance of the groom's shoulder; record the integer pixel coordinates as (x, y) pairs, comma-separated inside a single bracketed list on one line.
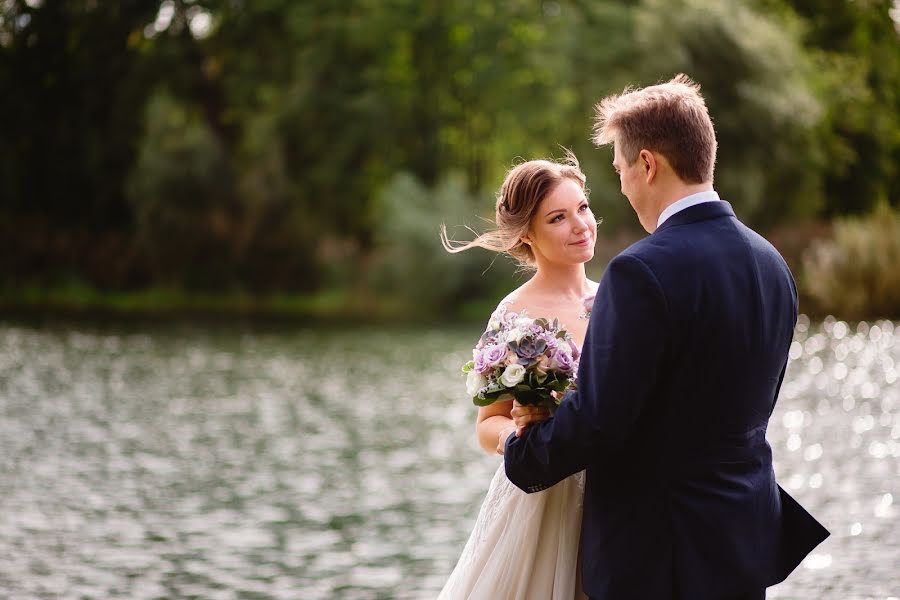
[(649, 249), (664, 252), (683, 248), (644, 256)]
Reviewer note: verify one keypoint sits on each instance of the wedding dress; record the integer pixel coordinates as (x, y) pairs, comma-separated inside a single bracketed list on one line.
[(523, 546)]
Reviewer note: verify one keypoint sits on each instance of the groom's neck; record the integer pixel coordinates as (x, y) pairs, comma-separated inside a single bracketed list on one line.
[(677, 190)]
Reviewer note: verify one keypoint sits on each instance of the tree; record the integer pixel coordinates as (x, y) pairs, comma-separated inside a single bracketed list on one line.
[(856, 49), (72, 79), (757, 82)]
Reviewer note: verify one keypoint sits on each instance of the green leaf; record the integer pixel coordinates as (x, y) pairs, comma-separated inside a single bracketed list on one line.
[(559, 386)]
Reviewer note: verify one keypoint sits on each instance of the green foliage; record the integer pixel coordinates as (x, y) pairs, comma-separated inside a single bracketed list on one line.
[(70, 110), (755, 78), (207, 224), (855, 47), (258, 154), (855, 274), (413, 266), (181, 191)]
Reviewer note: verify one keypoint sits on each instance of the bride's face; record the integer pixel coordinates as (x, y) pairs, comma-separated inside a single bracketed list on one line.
[(564, 230)]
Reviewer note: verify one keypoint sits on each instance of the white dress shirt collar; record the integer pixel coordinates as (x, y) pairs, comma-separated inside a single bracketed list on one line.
[(686, 202)]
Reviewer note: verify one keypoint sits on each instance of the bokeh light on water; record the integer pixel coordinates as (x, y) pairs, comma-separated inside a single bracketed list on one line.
[(238, 462), (835, 435)]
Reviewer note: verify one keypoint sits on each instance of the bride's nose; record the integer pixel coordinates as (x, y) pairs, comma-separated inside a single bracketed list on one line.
[(580, 223)]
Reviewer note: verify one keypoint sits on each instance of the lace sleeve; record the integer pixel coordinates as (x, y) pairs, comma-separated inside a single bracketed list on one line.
[(500, 314)]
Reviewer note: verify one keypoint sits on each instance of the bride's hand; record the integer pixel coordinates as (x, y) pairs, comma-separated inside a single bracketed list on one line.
[(503, 436), (525, 415)]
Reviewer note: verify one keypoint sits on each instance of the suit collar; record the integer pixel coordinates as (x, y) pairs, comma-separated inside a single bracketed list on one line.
[(686, 202), (698, 212)]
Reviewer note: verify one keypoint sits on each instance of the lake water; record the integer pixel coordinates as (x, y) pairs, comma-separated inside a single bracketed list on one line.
[(231, 461)]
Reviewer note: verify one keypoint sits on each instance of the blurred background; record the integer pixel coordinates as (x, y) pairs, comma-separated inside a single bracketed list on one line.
[(298, 157), (230, 338)]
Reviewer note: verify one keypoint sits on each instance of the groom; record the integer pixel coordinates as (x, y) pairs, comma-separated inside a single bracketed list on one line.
[(682, 363)]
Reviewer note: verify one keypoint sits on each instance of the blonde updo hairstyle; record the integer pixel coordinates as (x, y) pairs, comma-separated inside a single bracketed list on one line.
[(523, 189)]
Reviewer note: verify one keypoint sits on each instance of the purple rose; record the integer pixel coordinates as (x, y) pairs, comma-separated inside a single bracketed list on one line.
[(479, 357), (562, 361), (490, 357)]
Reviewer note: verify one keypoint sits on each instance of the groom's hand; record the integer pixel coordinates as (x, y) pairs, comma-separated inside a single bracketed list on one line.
[(526, 415)]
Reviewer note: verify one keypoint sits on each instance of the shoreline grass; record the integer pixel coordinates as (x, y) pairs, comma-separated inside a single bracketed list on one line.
[(327, 306)]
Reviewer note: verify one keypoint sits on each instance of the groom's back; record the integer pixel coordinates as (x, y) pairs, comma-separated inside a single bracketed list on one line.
[(732, 307), (693, 491)]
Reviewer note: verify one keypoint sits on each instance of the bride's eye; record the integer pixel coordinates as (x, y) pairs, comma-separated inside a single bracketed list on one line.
[(557, 218)]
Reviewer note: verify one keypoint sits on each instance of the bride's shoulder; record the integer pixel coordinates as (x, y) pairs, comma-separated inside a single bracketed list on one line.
[(515, 301), (512, 303)]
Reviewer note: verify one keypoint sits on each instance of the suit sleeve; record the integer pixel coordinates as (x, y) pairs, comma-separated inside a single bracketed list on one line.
[(795, 308), (620, 360)]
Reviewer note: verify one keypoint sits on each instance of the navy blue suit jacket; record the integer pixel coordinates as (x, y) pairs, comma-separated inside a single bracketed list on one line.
[(681, 365)]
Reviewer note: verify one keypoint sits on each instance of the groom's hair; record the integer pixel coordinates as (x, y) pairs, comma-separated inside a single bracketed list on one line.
[(669, 118)]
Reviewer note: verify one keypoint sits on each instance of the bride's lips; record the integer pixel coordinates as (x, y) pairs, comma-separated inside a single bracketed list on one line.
[(583, 242)]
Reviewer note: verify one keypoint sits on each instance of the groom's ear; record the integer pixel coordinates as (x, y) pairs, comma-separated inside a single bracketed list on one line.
[(648, 164)]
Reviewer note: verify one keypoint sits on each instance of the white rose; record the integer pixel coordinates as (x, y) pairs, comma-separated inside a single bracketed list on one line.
[(512, 375), (514, 335), (524, 323), (494, 324), (474, 382)]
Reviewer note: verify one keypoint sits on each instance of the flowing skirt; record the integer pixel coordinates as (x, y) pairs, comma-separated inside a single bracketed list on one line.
[(523, 546)]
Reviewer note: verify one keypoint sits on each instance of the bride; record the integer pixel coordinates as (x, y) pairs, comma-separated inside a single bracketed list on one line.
[(525, 546)]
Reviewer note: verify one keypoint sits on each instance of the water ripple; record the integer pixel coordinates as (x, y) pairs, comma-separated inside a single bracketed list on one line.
[(186, 462)]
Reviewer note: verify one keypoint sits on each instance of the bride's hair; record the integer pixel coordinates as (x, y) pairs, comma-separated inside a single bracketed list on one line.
[(523, 189)]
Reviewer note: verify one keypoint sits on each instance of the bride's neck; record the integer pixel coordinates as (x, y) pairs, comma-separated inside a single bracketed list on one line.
[(568, 281)]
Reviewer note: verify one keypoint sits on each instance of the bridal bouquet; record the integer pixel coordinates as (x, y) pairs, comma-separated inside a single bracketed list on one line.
[(522, 358)]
